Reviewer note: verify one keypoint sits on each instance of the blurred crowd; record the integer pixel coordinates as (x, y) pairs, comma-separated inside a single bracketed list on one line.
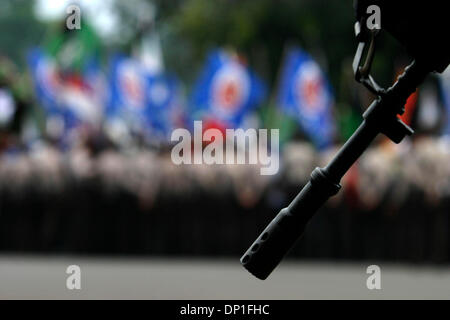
[(394, 203)]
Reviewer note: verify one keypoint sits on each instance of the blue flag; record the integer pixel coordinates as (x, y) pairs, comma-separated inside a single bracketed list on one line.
[(46, 81), (48, 86), (128, 88), (72, 98), (305, 94), (444, 81), (163, 103), (226, 90), (144, 100)]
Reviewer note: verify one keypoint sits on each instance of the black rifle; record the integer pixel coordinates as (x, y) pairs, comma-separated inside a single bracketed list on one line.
[(422, 31)]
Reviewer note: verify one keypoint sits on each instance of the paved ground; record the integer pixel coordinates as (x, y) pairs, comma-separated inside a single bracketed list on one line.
[(43, 277)]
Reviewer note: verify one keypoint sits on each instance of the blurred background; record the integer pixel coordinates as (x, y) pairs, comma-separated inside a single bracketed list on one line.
[(87, 111)]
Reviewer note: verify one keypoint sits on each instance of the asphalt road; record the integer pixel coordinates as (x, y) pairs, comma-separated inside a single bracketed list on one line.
[(44, 277)]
